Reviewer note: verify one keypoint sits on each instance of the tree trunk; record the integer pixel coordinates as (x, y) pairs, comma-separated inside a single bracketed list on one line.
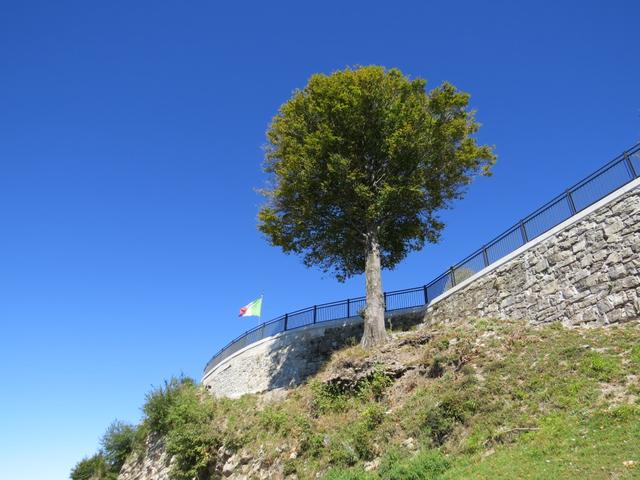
[(374, 330)]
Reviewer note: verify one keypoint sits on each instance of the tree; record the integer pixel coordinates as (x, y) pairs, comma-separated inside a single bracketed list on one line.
[(360, 162), (93, 468), (117, 443)]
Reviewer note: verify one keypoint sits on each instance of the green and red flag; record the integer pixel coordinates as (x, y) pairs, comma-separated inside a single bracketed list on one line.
[(253, 309)]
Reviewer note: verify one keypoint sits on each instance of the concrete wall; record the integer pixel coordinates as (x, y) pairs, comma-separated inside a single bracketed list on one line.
[(584, 271)]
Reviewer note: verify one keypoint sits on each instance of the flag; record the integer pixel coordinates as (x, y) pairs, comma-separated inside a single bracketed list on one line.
[(253, 309)]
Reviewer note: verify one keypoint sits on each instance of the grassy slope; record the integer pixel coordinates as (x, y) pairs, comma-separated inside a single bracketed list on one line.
[(480, 400)]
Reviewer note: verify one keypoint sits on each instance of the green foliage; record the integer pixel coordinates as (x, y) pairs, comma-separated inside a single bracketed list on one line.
[(600, 367), (117, 443), (427, 465), (160, 401), (340, 474), (190, 437), (366, 151), (93, 468), (511, 401), (311, 442), (441, 419), (275, 419), (375, 386), (635, 354), (329, 397)]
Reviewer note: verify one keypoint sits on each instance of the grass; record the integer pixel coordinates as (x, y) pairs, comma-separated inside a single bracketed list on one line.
[(481, 399)]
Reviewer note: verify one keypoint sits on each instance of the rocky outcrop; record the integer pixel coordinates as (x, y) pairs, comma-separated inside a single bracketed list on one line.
[(151, 464)]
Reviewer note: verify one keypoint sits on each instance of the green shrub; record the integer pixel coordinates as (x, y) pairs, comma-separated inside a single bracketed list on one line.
[(311, 442), (442, 419), (327, 397), (372, 416), (375, 386), (117, 444), (427, 465), (93, 468), (191, 437), (160, 401), (274, 419)]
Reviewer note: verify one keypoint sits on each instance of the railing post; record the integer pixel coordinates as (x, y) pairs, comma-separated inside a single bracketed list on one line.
[(572, 206), (485, 256), (523, 231), (315, 313), (632, 169), (452, 274), (426, 295), (286, 320), (385, 301), (348, 307)]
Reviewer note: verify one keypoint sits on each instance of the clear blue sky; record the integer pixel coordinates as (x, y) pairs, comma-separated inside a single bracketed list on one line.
[(130, 147)]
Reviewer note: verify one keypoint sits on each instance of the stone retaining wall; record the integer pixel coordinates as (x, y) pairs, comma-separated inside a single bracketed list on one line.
[(584, 271), (290, 357)]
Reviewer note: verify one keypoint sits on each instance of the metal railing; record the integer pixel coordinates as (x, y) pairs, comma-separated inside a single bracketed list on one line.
[(608, 178)]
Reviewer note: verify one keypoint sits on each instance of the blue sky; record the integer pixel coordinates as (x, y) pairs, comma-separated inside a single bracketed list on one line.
[(130, 148)]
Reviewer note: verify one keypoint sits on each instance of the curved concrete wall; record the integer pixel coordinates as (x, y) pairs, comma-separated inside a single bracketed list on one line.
[(585, 270)]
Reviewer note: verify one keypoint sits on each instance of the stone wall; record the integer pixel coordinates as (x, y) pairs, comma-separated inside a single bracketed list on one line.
[(588, 272), (584, 271), (290, 357)]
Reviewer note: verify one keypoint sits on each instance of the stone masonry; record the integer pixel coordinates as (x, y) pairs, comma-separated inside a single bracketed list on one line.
[(585, 271), (588, 273), (289, 358)]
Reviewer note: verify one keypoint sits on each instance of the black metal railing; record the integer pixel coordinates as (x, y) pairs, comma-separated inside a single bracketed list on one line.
[(608, 178)]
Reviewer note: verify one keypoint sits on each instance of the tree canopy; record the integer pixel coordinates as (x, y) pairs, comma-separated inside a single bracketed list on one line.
[(365, 149), (362, 160)]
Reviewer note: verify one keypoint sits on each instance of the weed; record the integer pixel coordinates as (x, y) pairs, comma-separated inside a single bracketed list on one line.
[(599, 366), (274, 419)]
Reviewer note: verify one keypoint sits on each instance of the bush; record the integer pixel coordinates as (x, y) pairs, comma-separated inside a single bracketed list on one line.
[(93, 468), (328, 397), (274, 419), (117, 444), (427, 465), (191, 438), (442, 419), (160, 401)]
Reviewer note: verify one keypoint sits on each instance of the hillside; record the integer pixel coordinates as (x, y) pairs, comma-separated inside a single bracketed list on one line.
[(480, 399)]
